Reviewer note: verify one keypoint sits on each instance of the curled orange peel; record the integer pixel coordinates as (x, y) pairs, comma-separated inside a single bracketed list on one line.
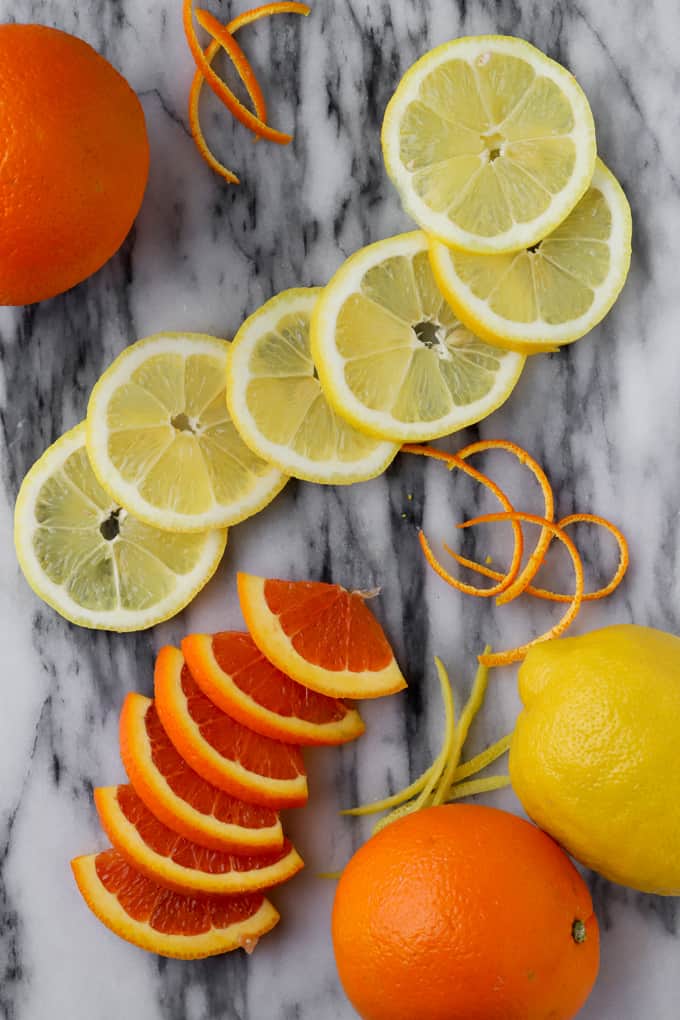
[(195, 121), (552, 596), (264, 11), (532, 565), (453, 461), (245, 72), (555, 531), (219, 87)]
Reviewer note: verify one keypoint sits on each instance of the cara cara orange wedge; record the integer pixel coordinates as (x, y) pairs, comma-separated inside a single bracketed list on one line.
[(221, 750), (321, 635), (182, 799), (178, 864), (165, 922), (234, 674)]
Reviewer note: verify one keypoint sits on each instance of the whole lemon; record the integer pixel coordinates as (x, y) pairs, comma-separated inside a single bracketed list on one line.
[(595, 757)]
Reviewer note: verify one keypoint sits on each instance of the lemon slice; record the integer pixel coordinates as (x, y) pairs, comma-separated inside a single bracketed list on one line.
[(277, 404), (90, 560), (535, 300), (489, 143), (392, 357), (161, 441)]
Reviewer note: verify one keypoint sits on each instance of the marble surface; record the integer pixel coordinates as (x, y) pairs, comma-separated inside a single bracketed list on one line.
[(604, 416)]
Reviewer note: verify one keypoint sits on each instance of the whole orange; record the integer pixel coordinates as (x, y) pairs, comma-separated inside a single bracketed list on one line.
[(464, 913), (74, 160)]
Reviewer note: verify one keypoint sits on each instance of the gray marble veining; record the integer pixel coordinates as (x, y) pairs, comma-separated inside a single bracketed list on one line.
[(603, 415)]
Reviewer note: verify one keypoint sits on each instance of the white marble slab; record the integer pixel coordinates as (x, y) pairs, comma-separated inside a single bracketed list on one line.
[(604, 415)]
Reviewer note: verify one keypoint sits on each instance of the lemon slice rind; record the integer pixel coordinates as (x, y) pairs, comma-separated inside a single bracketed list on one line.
[(335, 471), (264, 488), (437, 223), (539, 336), (55, 595)]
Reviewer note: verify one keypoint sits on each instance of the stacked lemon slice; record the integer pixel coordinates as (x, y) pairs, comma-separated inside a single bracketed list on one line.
[(491, 146), (524, 246), (124, 519)]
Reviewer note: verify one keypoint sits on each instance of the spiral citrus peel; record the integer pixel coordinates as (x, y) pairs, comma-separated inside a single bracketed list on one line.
[(513, 583)]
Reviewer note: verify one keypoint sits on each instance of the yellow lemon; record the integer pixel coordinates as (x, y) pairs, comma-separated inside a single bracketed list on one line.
[(594, 757)]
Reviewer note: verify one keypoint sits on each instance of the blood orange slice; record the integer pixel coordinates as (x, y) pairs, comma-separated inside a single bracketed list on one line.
[(232, 671), (224, 752), (176, 862), (165, 922), (321, 635), (179, 797)]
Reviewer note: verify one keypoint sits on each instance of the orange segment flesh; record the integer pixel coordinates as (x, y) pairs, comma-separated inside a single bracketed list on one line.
[(178, 863), (219, 87), (553, 596), (182, 799), (321, 635), (454, 461), (533, 563), (517, 654), (165, 922), (222, 751), (232, 672)]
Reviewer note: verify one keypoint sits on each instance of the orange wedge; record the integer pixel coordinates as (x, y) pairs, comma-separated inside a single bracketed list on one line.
[(232, 671), (225, 753), (164, 922), (321, 635), (177, 863), (180, 798)]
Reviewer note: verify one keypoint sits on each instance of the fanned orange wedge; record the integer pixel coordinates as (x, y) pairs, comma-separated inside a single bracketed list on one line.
[(321, 635), (232, 671), (222, 751), (165, 922), (180, 798), (177, 863)]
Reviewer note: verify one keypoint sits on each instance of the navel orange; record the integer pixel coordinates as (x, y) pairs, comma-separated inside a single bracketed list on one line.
[(74, 160), (464, 912)]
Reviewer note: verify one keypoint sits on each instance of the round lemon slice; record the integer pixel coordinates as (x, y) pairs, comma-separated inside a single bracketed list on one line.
[(277, 404), (161, 441), (538, 299), (392, 357), (489, 143), (90, 560)]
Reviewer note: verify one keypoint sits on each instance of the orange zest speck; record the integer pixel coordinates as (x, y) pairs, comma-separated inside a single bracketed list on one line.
[(454, 461), (554, 530)]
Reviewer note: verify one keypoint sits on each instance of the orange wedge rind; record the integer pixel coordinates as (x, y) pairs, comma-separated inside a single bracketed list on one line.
[(232, 672), (168, 923), (175, 862), (321, 635)]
